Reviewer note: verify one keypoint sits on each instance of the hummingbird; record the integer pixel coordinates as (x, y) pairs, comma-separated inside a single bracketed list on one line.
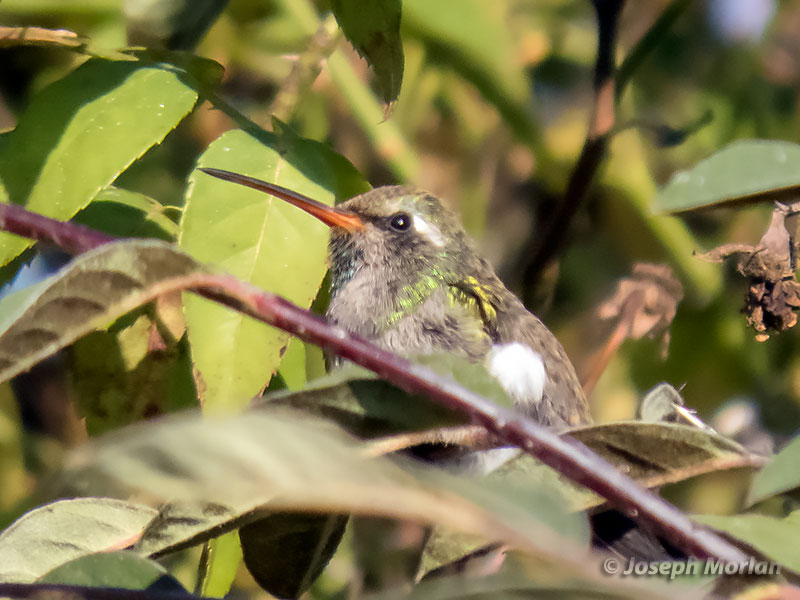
[(406, 276)]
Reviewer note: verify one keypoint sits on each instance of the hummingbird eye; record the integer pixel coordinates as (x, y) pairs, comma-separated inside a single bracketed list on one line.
[(400, 221)]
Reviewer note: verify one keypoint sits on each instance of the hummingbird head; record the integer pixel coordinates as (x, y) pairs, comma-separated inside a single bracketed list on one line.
[(400, 233)]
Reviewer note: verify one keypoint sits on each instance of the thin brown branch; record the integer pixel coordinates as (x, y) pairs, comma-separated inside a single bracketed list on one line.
[(564, 454), (601, 123), (305, 70), (598, 365)]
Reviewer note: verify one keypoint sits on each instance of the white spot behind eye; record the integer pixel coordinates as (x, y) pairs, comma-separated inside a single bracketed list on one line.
[(519, 370), (430, 231)]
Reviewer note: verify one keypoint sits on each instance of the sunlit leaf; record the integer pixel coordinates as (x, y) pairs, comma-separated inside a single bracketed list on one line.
[(56, 533), (750, 170), (81, 132), (374, 29), (88, 293), (223, 555), (259, 239)]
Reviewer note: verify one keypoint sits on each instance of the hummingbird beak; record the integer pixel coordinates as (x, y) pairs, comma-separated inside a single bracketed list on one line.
[(331, 216)]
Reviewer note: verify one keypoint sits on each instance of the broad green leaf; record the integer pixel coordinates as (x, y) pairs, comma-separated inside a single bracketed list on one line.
[(259, 239), (285, 552), (82, 131), (273, 460), (56, 533), (374, 29), (781, 474), (774, 538), (123, 213), (221, 559), (88, 293), (122, 570), (748, 170)]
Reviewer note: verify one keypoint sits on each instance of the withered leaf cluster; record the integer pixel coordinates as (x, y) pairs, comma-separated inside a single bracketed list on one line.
[(773, 295), (646, 301)]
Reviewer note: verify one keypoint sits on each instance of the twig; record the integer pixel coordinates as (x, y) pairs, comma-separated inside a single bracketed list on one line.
[(564, 454), (305, 70), (594, 149)]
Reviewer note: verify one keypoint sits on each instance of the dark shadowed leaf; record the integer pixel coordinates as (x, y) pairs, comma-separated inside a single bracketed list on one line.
[(374, 29), (56, 533), (123, 376), (81, 132), (285, 552), (272, 460), (774, 538), (750, 170), (88, 293), (262, 240), (122, 569), (780, 475), (367, 406)]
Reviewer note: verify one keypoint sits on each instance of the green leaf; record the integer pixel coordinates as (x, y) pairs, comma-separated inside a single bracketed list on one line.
[(744, 171), (374, 29), (259, 239), (56, 533), (221, 559), (659, 453), (779, 475), (122, 213), (285, 552), (653, 454), (122, 570), (89, 293), (774, 538), (81, 132), (272, 460)]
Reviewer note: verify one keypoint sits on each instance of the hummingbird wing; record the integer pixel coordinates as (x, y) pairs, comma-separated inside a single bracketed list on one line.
[(505, 320)]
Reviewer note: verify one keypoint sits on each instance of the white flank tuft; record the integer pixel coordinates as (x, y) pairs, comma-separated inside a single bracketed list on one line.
[(519, 370)]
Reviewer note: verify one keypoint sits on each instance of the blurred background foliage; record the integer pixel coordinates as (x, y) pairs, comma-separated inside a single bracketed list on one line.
[(491, 117)]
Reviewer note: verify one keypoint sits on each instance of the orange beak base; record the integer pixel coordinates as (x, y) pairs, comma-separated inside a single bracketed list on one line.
[(331, 216)]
